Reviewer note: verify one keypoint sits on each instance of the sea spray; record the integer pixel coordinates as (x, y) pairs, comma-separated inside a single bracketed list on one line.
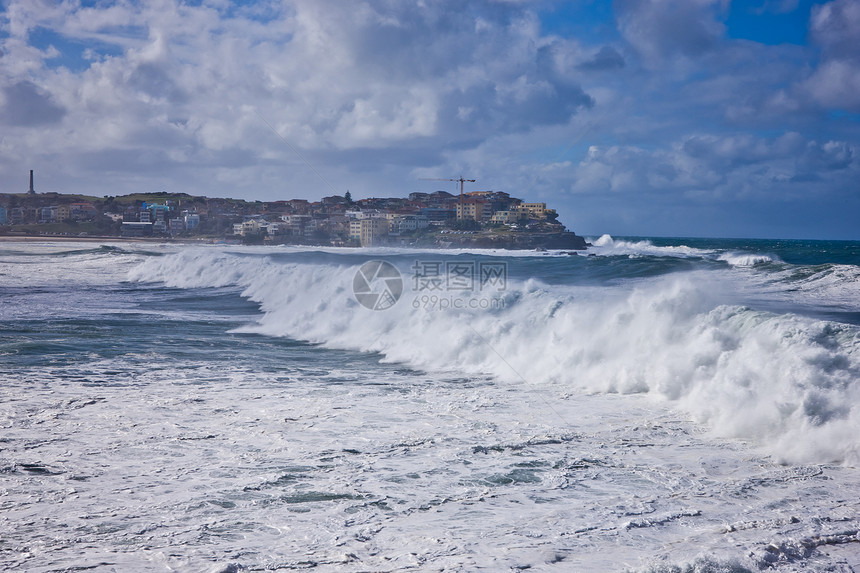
[(784, 381), (161, 422)]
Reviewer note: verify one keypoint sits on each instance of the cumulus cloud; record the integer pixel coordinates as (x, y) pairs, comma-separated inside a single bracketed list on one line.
[(718, 167), (371, 75), (607, 58), (836, 81), (836, 26), (660, 103), (667, 29), (25, 105)]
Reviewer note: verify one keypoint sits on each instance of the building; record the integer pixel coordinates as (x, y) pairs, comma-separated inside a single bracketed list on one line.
[(82, 211), (176, 225), (408, 223), (295, 225), (310, 229), (48, 214), (372, 231), (136, 229), (474, 209), (369, 213), (298, 205), (355, 230), (440, 199), (368, 232), (503, 217), (254, 226), (337, 227), (437, 214), (531, 211), (192, 221), (156, 208), (3, 216)]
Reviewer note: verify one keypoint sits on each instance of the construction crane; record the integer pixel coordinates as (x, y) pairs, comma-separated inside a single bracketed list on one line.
[(461, 180)]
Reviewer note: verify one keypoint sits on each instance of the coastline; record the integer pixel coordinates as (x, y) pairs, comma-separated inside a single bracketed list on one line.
[(532, 242), (99, 239)]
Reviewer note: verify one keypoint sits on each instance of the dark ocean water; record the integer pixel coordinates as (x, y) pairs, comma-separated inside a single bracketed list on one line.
[(645, 405)]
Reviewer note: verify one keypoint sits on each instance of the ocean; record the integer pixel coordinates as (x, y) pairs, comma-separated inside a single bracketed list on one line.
[(660, 405)]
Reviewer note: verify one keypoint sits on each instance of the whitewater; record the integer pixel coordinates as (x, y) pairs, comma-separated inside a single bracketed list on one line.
[(645, 405)]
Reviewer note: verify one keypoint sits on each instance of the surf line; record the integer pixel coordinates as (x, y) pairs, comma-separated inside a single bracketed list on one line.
[(523, 378)]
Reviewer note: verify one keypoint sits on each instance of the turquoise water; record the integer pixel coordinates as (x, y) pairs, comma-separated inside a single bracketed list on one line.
[(794, 252)]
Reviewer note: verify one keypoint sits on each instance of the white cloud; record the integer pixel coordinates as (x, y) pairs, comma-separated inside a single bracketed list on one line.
[(836, 26), (836, 85), (376, 93), (836, 81), (668, 29), (717, 166), (327, 78)]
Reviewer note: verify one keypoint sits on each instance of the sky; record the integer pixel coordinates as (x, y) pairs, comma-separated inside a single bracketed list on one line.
[(709, 118)]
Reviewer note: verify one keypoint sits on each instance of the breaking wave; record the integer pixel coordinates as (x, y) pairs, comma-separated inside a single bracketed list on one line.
[(747, 259), (786, 382), (607, 246)]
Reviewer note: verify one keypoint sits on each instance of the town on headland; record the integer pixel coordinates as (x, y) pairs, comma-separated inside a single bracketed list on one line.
[(482, 219)]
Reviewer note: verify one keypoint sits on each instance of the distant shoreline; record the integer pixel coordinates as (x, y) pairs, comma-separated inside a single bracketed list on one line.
[(532, 242), (99, 239)]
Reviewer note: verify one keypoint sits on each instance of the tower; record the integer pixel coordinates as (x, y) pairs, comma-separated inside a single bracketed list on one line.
[(31, 191)]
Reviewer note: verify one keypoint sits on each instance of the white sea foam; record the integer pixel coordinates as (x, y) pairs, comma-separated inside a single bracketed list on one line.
[(80, 263), (827, 287), (747, 259), (605, 245), (156, 441), (390, 251), (608, 246), (786, 382)]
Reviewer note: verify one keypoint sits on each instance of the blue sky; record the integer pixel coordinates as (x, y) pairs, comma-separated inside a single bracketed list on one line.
[(633, 117)]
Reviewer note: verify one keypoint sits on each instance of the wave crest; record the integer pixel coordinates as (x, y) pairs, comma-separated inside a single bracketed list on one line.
[(789, 383), (747, 259), (606, 245)]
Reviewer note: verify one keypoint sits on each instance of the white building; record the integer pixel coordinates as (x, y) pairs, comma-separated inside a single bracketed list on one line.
[(192, 221), (408, 223), (176, 225)]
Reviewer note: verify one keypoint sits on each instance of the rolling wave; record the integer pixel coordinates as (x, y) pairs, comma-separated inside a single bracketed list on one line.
[(607, 246), (747, 259), (787, 382)]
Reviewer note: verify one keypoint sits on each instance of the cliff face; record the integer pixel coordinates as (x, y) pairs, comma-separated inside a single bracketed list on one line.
[(564, 240)]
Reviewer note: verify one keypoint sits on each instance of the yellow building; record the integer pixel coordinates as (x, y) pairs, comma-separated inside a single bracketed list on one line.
[(368, 232), (531, 210), (503, 217), (474, 209), (373, 231), (355, 230)]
